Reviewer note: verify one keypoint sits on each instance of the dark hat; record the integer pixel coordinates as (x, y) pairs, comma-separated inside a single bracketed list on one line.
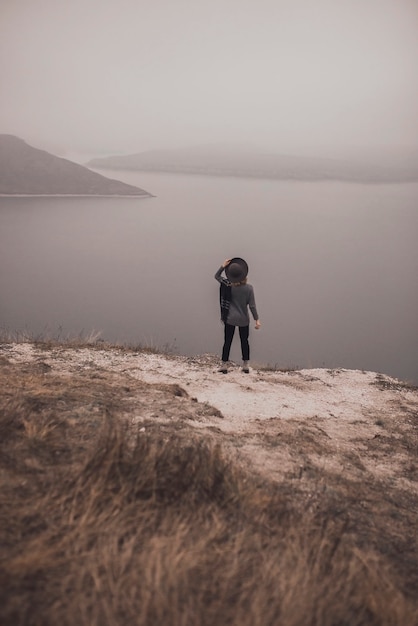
[(237, 270)]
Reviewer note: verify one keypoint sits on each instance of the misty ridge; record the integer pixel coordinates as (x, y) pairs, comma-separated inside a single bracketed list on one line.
[(25, 170), (248, 162)]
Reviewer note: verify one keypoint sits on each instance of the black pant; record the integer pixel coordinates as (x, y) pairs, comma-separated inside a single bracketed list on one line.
[(244, 332)]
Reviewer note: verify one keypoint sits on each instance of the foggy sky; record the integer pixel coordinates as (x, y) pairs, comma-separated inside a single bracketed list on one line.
[(130, 75)]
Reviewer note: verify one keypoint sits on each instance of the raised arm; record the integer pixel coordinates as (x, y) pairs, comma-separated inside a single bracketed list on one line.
[(218, 275)]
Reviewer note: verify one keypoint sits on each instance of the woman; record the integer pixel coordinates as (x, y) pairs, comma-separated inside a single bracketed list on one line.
[(236, 297)]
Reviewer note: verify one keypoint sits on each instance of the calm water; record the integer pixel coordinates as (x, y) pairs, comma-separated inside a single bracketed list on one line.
[(334, 267)]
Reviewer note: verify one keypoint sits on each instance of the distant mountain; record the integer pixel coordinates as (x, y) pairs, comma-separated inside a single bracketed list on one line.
[(223, 161), (25, 170)]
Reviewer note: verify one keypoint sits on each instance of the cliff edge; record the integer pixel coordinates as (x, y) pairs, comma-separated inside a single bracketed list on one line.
[(138, 488)]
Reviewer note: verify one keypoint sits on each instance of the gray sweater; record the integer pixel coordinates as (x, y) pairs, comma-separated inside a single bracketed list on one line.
[(242, 297)]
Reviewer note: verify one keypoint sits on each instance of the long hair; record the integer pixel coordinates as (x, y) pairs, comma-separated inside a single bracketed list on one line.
[(241, 282)]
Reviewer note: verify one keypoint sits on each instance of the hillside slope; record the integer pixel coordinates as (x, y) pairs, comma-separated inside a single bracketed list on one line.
[(137, 488), (25, 170)]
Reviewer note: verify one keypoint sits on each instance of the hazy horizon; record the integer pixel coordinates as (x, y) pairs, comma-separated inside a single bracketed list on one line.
[(289, 76)]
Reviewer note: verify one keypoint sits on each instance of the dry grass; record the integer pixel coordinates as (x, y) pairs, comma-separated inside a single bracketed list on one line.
[(48, 339), (105, 525)]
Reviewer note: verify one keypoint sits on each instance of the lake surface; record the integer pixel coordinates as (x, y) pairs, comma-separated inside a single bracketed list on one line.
[(334, 268)]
